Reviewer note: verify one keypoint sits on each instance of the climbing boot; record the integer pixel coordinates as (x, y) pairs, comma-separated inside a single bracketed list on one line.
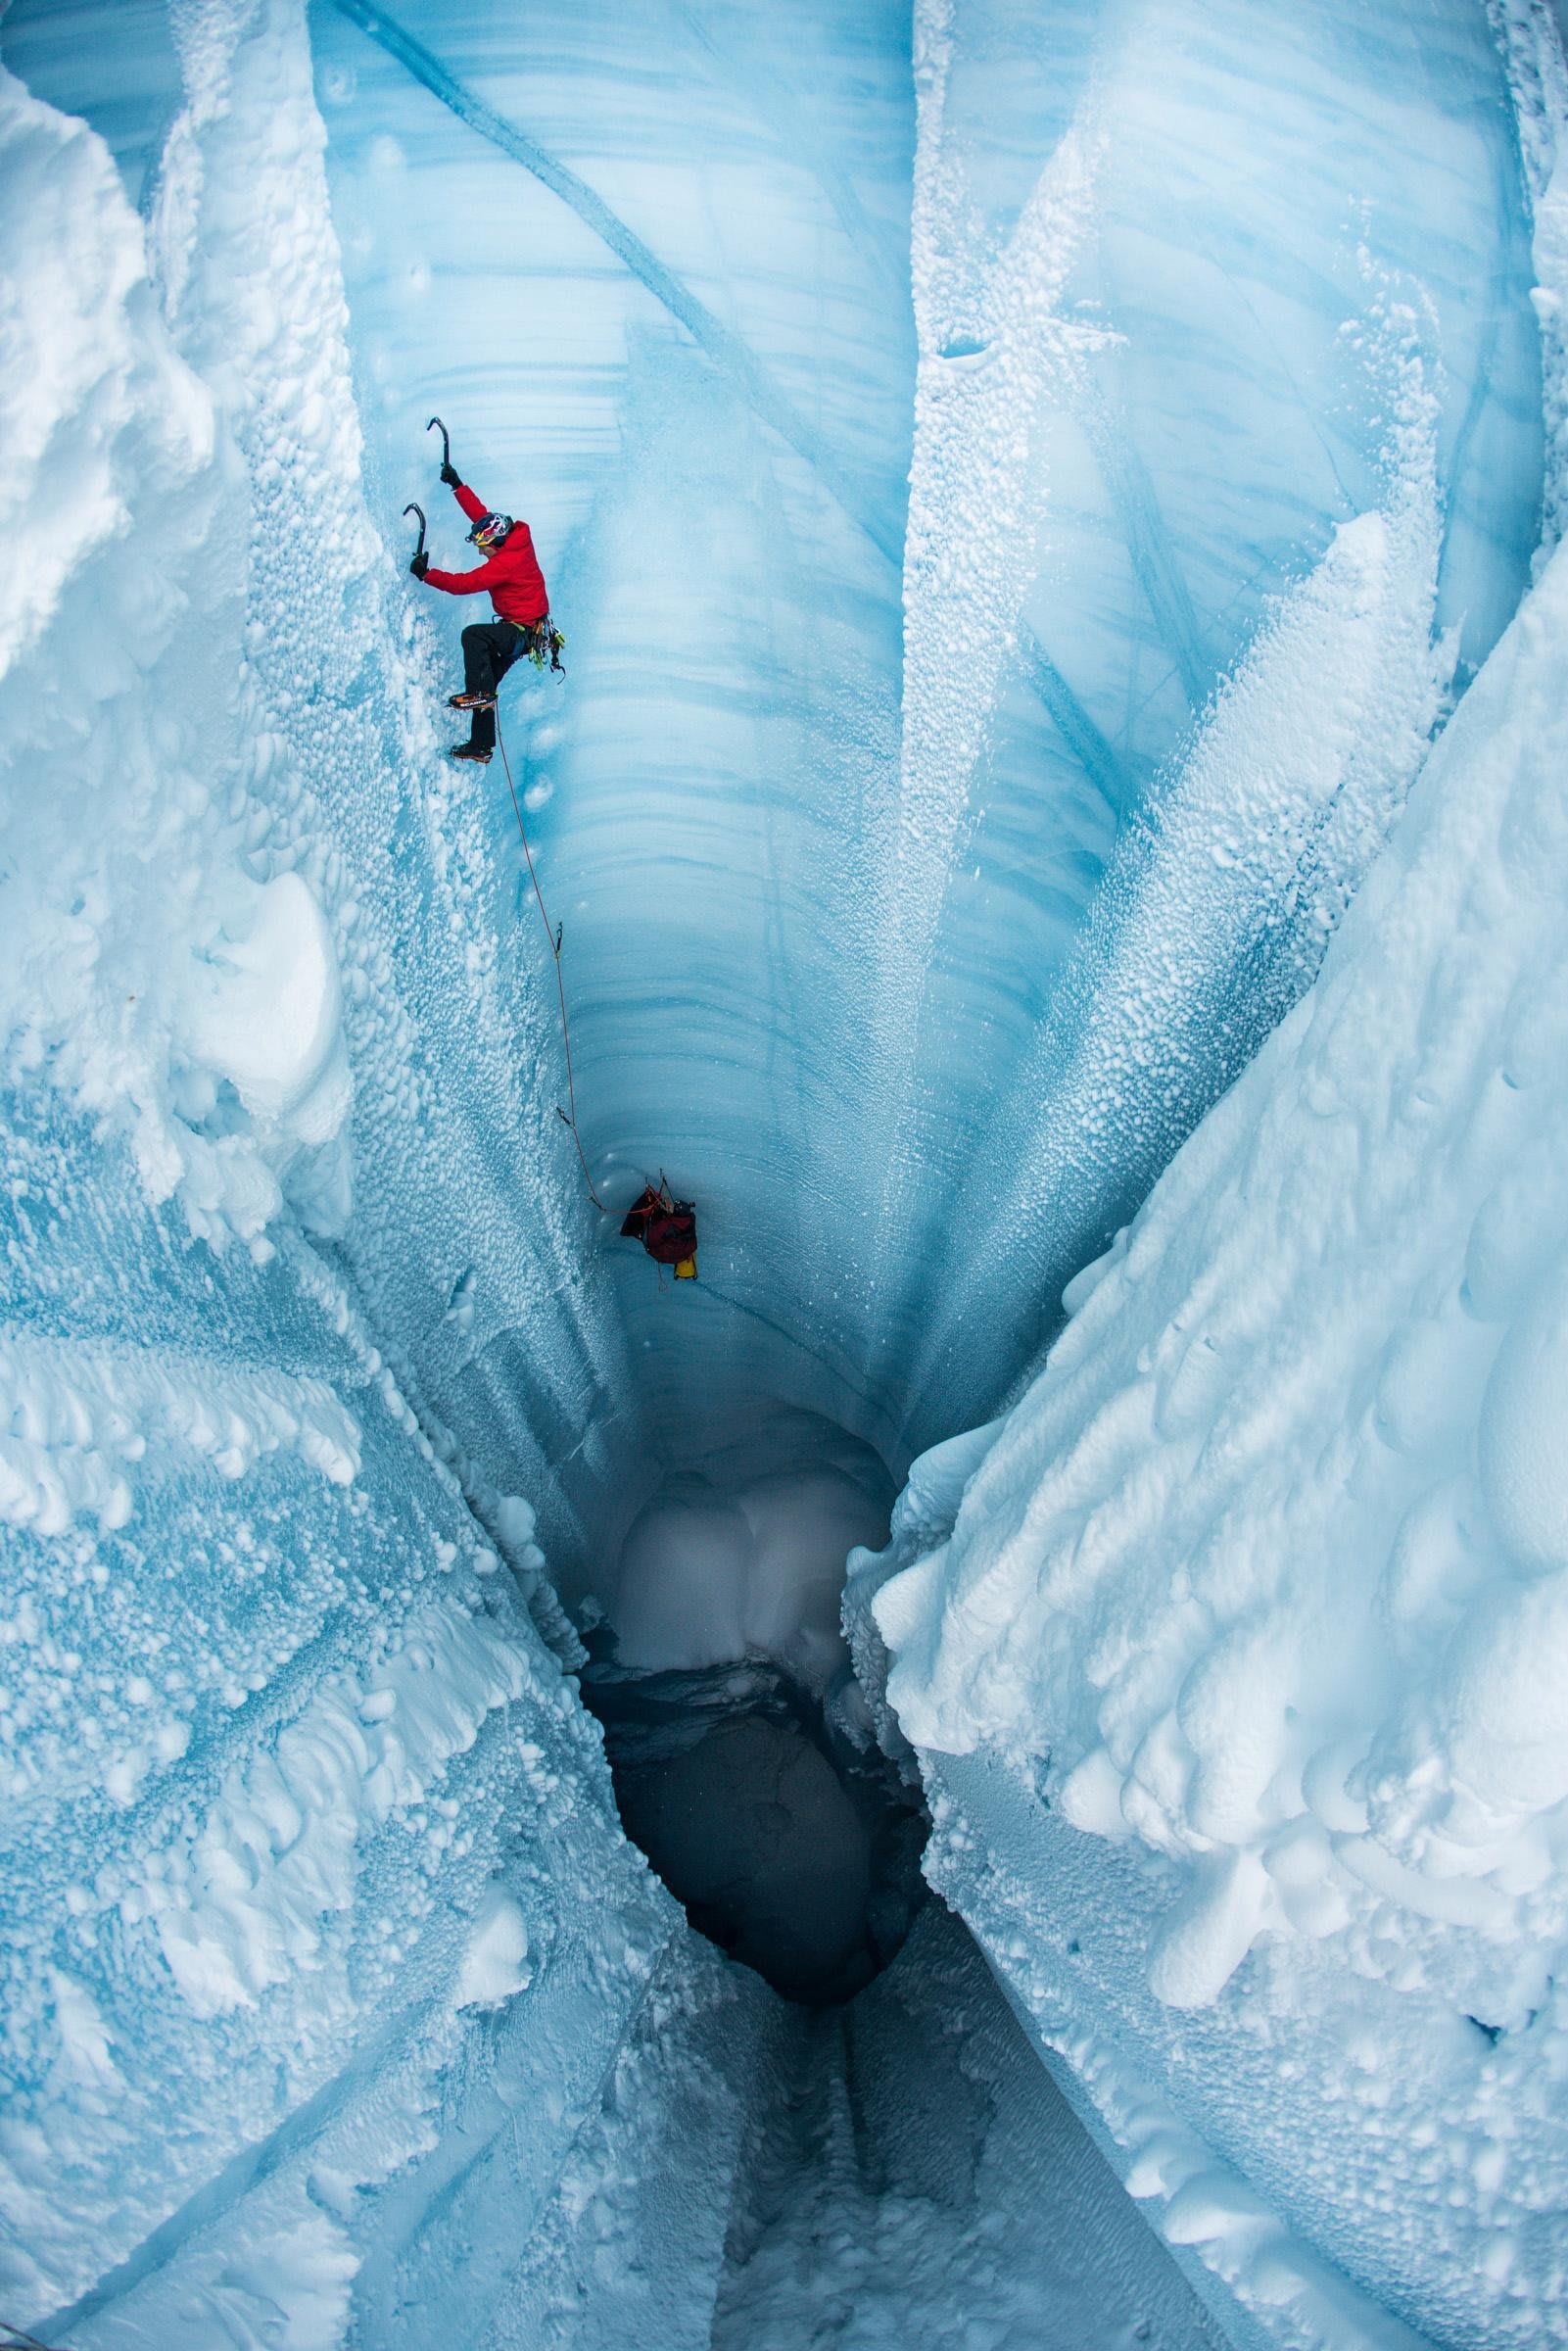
[(470, 751), (470, 701)]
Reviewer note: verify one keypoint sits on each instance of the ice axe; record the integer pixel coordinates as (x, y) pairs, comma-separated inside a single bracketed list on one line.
[(446, 439), (412, 508)]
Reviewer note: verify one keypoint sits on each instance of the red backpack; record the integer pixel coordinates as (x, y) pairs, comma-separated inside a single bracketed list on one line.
[(667, 1228)]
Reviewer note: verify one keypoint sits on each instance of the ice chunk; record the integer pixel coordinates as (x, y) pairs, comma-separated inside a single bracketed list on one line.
[(495, 1965), (262, 1007)]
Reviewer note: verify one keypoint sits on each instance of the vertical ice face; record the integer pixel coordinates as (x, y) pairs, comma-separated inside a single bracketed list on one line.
[(1221, 331), (1237, 1650), (310, 1863), (1228, 415), (1208, 385), (652, 271)]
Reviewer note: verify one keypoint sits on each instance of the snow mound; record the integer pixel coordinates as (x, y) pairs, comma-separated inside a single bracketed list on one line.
[(742, 1555)]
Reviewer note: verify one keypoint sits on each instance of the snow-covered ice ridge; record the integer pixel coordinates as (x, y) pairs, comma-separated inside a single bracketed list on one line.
[(1261, 1592), (1037, 497), (1236, 1651)]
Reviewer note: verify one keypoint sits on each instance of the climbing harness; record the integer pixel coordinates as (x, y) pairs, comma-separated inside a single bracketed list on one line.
[(541, 637), (553, 938)]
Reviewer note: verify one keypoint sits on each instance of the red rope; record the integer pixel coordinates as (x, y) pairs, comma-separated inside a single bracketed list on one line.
[(553, 936)]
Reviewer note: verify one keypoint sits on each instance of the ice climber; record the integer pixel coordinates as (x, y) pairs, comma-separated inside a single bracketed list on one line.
[(515, 584), (666, 1228)]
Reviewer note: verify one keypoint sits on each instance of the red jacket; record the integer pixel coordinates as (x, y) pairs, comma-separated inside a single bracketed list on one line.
[(512, 576)]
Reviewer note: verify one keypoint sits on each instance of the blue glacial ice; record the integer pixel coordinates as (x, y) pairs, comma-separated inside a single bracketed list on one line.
[(1026, 491)]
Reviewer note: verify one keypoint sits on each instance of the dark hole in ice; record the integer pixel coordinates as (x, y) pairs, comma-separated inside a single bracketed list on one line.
[(791, 1848), (741, 1746)]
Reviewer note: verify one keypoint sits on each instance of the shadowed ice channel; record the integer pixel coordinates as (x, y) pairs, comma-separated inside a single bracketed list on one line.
[(740, 1741)]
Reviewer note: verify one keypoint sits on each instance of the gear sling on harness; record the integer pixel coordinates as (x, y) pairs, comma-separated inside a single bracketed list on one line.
[(541, 637)]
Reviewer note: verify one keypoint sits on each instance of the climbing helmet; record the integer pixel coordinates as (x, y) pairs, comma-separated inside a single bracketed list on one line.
[(489, 530)]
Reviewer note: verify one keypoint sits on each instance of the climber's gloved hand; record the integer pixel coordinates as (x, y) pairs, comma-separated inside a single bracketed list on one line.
[(420, 564), (450, 476)]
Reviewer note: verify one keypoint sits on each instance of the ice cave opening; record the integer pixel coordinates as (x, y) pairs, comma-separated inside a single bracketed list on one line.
[(1051, 833), (742, 1751)]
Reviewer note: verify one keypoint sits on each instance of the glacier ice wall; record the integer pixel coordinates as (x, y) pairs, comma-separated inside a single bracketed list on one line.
[(1234, 1653), (294, 1788), (1238, 1647), (1226, 472), (702, 402), (894, 929), (1267, 474), (1152, 504), (336, 2005)]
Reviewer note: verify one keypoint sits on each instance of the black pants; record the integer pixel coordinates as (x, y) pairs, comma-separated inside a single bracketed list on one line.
[(489, 650)]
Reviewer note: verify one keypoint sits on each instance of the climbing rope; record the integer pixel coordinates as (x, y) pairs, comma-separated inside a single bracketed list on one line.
[(17, 2338), (553, 936)]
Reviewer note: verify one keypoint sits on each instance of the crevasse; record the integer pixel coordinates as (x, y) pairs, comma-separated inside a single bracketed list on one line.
[(1031, 494)]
